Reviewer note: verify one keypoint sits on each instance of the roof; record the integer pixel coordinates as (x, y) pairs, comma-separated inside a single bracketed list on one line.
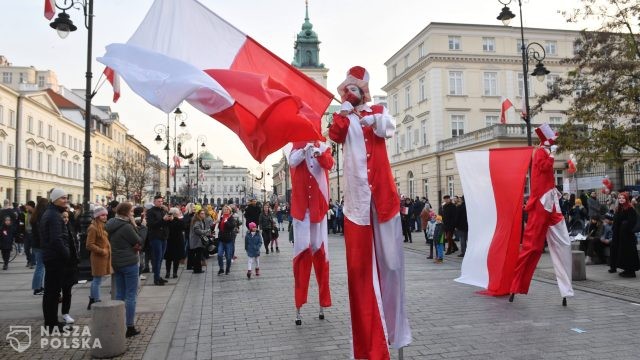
[(61, 101)]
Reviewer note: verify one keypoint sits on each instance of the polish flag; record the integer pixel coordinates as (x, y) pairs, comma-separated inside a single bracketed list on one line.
[(493, 184), (114, 80), (506, 105), (184, 51), (176, 161), (49, 9)]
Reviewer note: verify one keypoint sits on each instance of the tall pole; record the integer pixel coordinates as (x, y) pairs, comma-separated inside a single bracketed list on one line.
[(525, 74), (338, 168), (175, 135), (168, 166), (86, 193)]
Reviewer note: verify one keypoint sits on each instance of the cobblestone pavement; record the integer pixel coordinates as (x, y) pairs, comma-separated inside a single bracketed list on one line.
[(230, 317)]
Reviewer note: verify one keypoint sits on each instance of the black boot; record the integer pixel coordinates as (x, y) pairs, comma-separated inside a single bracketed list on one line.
[(91, 301), (132, 331)]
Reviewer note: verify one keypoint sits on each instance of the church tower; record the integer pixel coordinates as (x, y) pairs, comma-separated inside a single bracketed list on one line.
[(307, 52)]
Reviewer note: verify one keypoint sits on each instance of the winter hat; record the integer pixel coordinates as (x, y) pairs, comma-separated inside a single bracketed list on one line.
[(56, 194), (359, 77), (99, 211), (439, 218), (546, 135), (252, 225)]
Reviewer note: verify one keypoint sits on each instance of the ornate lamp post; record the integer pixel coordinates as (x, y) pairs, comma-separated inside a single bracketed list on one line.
[(160, 129), (528, 51), (202, 140)]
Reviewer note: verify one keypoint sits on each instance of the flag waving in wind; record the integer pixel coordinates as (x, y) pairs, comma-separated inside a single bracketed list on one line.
[(506, 105), (184, 51)]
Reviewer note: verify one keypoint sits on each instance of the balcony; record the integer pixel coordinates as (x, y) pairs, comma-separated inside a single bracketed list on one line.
[(494, 132)]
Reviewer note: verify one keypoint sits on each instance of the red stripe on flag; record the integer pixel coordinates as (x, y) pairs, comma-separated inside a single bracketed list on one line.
[(114, 79), (506, 104), (506, 167), (49, 9)]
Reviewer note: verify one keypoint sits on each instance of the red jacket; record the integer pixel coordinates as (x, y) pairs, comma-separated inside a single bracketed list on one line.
[(305, 191)]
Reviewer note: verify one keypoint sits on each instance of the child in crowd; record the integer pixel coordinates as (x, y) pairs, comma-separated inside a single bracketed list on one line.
[(252, 244), (438, 238), (431, 226), (6, 240)]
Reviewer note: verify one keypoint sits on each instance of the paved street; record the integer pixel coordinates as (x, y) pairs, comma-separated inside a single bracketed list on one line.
[(208, 316)]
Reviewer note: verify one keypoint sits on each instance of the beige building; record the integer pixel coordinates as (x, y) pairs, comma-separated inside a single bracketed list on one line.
[(445, 88)]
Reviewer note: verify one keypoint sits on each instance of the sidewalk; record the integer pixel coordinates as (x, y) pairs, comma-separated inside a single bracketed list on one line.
[(206, 316)]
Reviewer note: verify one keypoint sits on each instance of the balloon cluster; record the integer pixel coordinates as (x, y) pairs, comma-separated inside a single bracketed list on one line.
[(572, 164), (607, 185)]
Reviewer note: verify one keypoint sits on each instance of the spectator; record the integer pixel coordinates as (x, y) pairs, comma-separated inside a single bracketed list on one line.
[(158, 222), (415, 214), (252, 244), (266, 223), (462, 226), (577, 218), (8, 211), (593, 232), (126, 241), (226, 237), (175, 243), (37, 282), (406, 214), (593, 206), (55, 239), (438, 239), (100, 248), (449, 224), (70, 271), (7, 237), (197, 234), (252, 213), (29, 208), (624, 252)]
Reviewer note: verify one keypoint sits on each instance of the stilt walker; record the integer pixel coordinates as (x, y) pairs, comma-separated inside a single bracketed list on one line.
[(372, 228), (544, 222), (309, 164)]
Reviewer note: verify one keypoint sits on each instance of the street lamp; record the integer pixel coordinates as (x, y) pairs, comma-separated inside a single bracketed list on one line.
[(63, 25), (528, 51), (202, 140), (160, 129)]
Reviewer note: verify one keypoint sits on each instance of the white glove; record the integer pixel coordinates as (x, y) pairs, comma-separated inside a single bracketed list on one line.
[(346, 106), (368, 120), (553, 148)]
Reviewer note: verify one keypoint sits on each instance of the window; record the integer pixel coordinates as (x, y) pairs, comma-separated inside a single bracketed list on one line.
[(550, 47), (552, 82), (49, 163), (11, 151), (425, 187), (394, 70), (394, 103), (488, 44), (407, 97), (491, 120), (578, 89), (63, 167), (30, 124), (421, 89), (50, 132), (29, 159), (555, 120), (559, 178), (97, 171), (403, 142), (39, 161), (406, 62), (454, 42), (64, 139), (421, 50), (70, 170), (23, 78), (40, 128), (12, 119), (490, 80), (519, 44), (41, 81), (397, 141), (411, 185), (457, 125), (450, 188), (423, 131), (455, 83), (409, 138), (1, 114), (521, 85), (7, 77), (1, 150)]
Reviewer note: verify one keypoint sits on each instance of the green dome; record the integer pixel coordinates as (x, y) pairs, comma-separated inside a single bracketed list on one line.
[(205, 155)]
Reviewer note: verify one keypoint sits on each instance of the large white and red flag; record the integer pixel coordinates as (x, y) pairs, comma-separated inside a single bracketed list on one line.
[(184, 51), (493, 184)]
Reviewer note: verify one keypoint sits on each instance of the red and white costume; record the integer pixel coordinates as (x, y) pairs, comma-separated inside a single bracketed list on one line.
[(372, 228), (309, 205), (544, 222)]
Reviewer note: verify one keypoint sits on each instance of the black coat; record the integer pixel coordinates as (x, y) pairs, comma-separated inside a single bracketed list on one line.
[(252, 214), (228, 233), (175, 242), (157, 227), (461, 218), (449, 217), (623, 250), (54, 236), (70, 267)]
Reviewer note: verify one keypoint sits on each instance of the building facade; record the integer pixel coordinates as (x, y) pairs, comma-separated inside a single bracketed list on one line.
[(445, 89)]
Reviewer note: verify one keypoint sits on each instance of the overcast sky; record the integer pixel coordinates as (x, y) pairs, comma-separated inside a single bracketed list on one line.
[(352, 32)]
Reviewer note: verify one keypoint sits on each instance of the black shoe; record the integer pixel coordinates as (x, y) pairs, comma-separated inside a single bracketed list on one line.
[(145, 270), (167, 276), (175, 276), (429, 257), (277, 249), (38, 291), (226, 272), (271, 249), (4, 267), (91, 301), (198, 271), (628, 274), (132, 331), (158, 283), (220, 272), (460, 255), (164, 280), (267, 251), (611, 271), (406, 241), (411, 241)]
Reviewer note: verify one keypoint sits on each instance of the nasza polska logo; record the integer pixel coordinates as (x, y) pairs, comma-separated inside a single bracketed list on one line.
[(14, 335), (67, 337)]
